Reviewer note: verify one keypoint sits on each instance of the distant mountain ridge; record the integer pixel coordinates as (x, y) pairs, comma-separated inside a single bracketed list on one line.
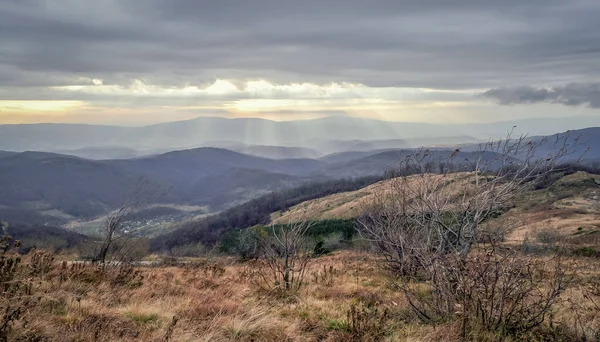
[(311, 134)]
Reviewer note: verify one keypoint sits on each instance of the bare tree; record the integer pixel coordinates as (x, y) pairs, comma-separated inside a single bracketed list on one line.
[(140, 196)]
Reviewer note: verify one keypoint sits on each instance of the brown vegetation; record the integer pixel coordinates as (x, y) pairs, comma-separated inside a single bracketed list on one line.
[(346, 296)]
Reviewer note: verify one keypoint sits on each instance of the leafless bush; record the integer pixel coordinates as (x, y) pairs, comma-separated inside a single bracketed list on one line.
[(436, 209), (497, 289), (426, 222), (547, 236), (284, 258)]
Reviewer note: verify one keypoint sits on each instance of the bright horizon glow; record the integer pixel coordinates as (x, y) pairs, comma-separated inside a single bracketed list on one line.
[(138, 103), (96, 99)]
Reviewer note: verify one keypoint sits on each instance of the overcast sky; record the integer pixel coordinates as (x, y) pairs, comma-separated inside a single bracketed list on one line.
[(137, 62)]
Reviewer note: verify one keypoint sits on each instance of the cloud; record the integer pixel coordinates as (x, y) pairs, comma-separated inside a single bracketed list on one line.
[(573, 94), (298, 55), (441, 44), (140, 93)]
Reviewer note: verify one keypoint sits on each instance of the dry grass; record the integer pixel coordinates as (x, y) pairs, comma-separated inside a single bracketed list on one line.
[(352, 204), (227, 307)]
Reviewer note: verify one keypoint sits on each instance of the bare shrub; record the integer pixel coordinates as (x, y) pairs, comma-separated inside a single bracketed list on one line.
[(547, 236), (284, 257), (497, 289), (426, 222)]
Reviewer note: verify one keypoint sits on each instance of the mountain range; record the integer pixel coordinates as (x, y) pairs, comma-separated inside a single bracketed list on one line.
[(54, 188), (325, 135)]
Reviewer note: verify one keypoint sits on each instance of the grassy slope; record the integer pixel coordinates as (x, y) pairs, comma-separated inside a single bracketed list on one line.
[(571, 202)]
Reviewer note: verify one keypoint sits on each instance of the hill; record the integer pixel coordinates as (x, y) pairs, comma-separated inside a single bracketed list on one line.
[(4, 154), (344, 157), (190, 166), (45, 237), (59, 185), (268, 151), (358, 145), (585, 138), (351, 204), (239, 185), (585, 144), (566, 205)]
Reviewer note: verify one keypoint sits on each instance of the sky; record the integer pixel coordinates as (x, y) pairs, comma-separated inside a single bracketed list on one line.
[(131, 62)]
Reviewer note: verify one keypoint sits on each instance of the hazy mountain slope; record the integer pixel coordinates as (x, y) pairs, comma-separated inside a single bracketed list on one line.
[(45, 237), (37, 187), (190, 166), (61, 136), (99, 153), (358, 145), (577, 141), (71, 185), (375, 164), (239, 185), (344, 157), (583, 138), (278, 152), (4, 154)]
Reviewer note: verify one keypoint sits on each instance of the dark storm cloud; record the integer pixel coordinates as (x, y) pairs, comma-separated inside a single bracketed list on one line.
[(443, 44), (574, 94)]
